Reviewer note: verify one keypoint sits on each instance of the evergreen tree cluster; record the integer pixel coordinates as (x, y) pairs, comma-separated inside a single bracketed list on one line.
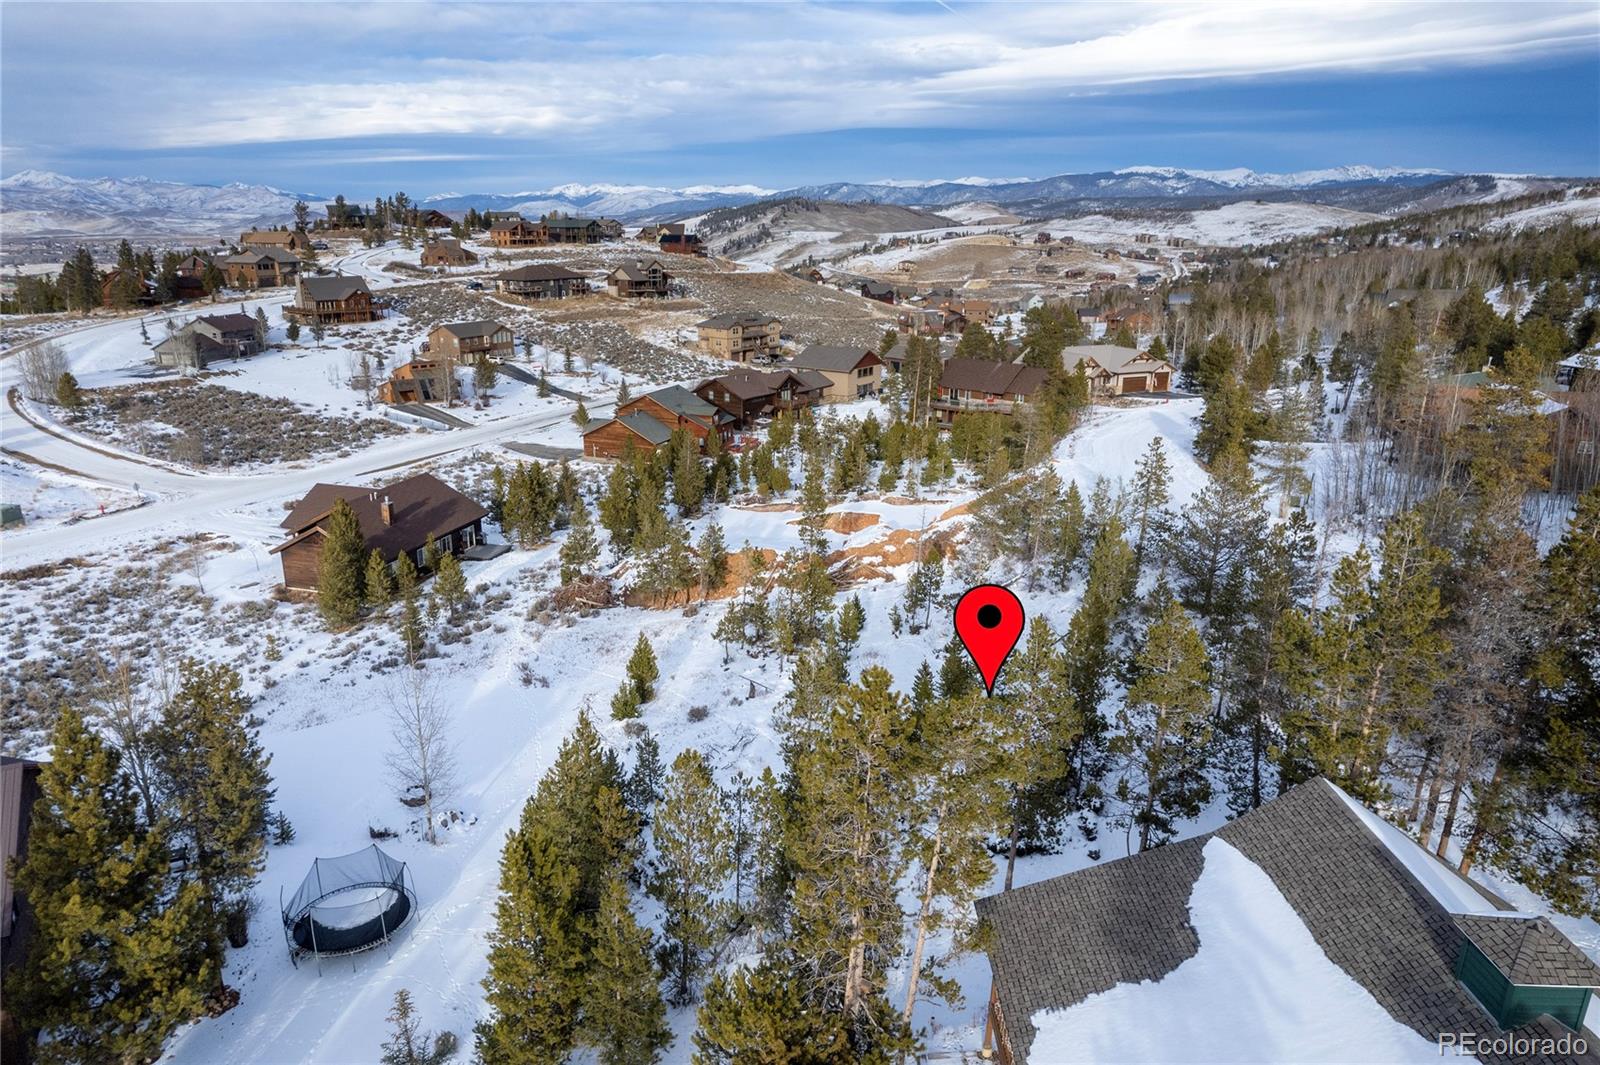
[(137, 889)]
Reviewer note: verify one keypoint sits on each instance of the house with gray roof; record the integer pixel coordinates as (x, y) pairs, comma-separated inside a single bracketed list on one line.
[(1395, 943), (671, 409), (539, 281), (337, 299), (740, 337), (641, 278), (467, 342), (851, 372), (1118, 371), (985, 386)]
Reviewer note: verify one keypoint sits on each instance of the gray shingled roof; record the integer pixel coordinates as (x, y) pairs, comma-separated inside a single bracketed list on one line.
[(680, 400), (569, 223), (255, 255), (540, 272), (991, 377), (337, 287), (1060, 940), (646, 426), (466, 330), (1111, 357), (637, 273), (728, 321), (1530, 951), (830, 357)]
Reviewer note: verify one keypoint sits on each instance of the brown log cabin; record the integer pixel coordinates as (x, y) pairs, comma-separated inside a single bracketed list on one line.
[(518, 233), (467, 342), (752, 394), (397, 519), (648, 422)]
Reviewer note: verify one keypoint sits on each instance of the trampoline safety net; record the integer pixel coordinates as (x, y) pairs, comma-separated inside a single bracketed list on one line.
[(347, 904)]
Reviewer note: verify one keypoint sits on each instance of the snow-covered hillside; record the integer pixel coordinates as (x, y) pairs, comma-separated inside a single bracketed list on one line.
[(38, 202), (1246, 222)]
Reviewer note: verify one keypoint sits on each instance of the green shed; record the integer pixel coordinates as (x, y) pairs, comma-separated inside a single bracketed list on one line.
[(10, 514), (1519, 967)]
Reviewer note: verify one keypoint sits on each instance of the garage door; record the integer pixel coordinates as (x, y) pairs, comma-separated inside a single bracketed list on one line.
[(1136, 382)]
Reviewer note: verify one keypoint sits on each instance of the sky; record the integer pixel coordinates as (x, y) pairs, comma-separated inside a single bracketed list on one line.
[(441, 98)]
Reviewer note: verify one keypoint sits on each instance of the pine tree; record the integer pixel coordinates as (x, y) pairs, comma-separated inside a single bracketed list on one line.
[(580, 550), (852, 619), (848, 764), (408, 1044), (1111, 575), (761, 1016), (407, 581), (688, 473), (713, 559), (1218, 538), (642, 669), (450, 585), (1044, 726), (213, 772), (694, 848), (379, 582), (580, 417), (1227, 424), (1152, 492), (623, 1017), (484, 375), (67, 392), (1166, 726), (116, 963), (645, 782), (960, 793), (339, 575), (574, 839)]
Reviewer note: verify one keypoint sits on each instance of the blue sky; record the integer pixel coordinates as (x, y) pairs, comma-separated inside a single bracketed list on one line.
[(471, 98)]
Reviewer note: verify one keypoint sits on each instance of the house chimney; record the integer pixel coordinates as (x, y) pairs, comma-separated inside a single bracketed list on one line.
[(386, 511), (638, 264)]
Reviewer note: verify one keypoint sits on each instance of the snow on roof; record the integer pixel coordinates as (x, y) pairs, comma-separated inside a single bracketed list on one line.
[(1259, 989), (1450, 890)]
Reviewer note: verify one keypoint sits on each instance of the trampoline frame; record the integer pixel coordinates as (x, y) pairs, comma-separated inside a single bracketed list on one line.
[(296, 951)]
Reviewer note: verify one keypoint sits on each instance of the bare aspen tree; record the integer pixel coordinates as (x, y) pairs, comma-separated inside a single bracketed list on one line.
[(129, 695), (423, 759), (42, 366)]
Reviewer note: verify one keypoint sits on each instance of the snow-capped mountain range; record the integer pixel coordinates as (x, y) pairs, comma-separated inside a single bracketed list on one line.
[(40, 203)]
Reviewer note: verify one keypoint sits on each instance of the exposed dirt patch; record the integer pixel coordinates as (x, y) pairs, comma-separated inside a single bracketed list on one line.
[(872, 562), (845, 521)]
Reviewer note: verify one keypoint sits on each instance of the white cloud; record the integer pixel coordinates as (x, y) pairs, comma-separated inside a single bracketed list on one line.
[(613, 76)]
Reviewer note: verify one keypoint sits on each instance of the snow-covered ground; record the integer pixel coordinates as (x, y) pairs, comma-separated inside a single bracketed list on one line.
[(1234, 224), (1577, 210), (516, 686)]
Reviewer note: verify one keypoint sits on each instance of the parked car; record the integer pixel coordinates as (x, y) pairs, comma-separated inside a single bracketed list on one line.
[(475, 286), (319, 245)]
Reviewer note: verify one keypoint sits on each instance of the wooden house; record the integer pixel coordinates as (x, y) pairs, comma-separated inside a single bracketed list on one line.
[(467, 342), (740, 337), (542, 281), (111, 280), (851, 372), (563, 230), (446, 251), (878, 290), (208, 338), (681, 244), (418, 381), (346, 215), (648, 421), (641, 279), (1138, 957), (334, 300), (502, 216), (1117, 371), (286, 239), (261, 268), (610, 229), (972, 385), (428, 218), (752, 394), (517, 233), (395, 520)]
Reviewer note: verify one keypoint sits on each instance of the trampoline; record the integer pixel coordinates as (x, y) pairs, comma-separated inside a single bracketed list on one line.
[(347, 904)]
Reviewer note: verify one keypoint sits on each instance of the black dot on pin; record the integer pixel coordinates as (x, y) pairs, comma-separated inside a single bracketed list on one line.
[(988, 615)]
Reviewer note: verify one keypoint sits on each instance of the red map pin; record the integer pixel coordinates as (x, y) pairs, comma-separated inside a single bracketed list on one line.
[(989, 621)]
